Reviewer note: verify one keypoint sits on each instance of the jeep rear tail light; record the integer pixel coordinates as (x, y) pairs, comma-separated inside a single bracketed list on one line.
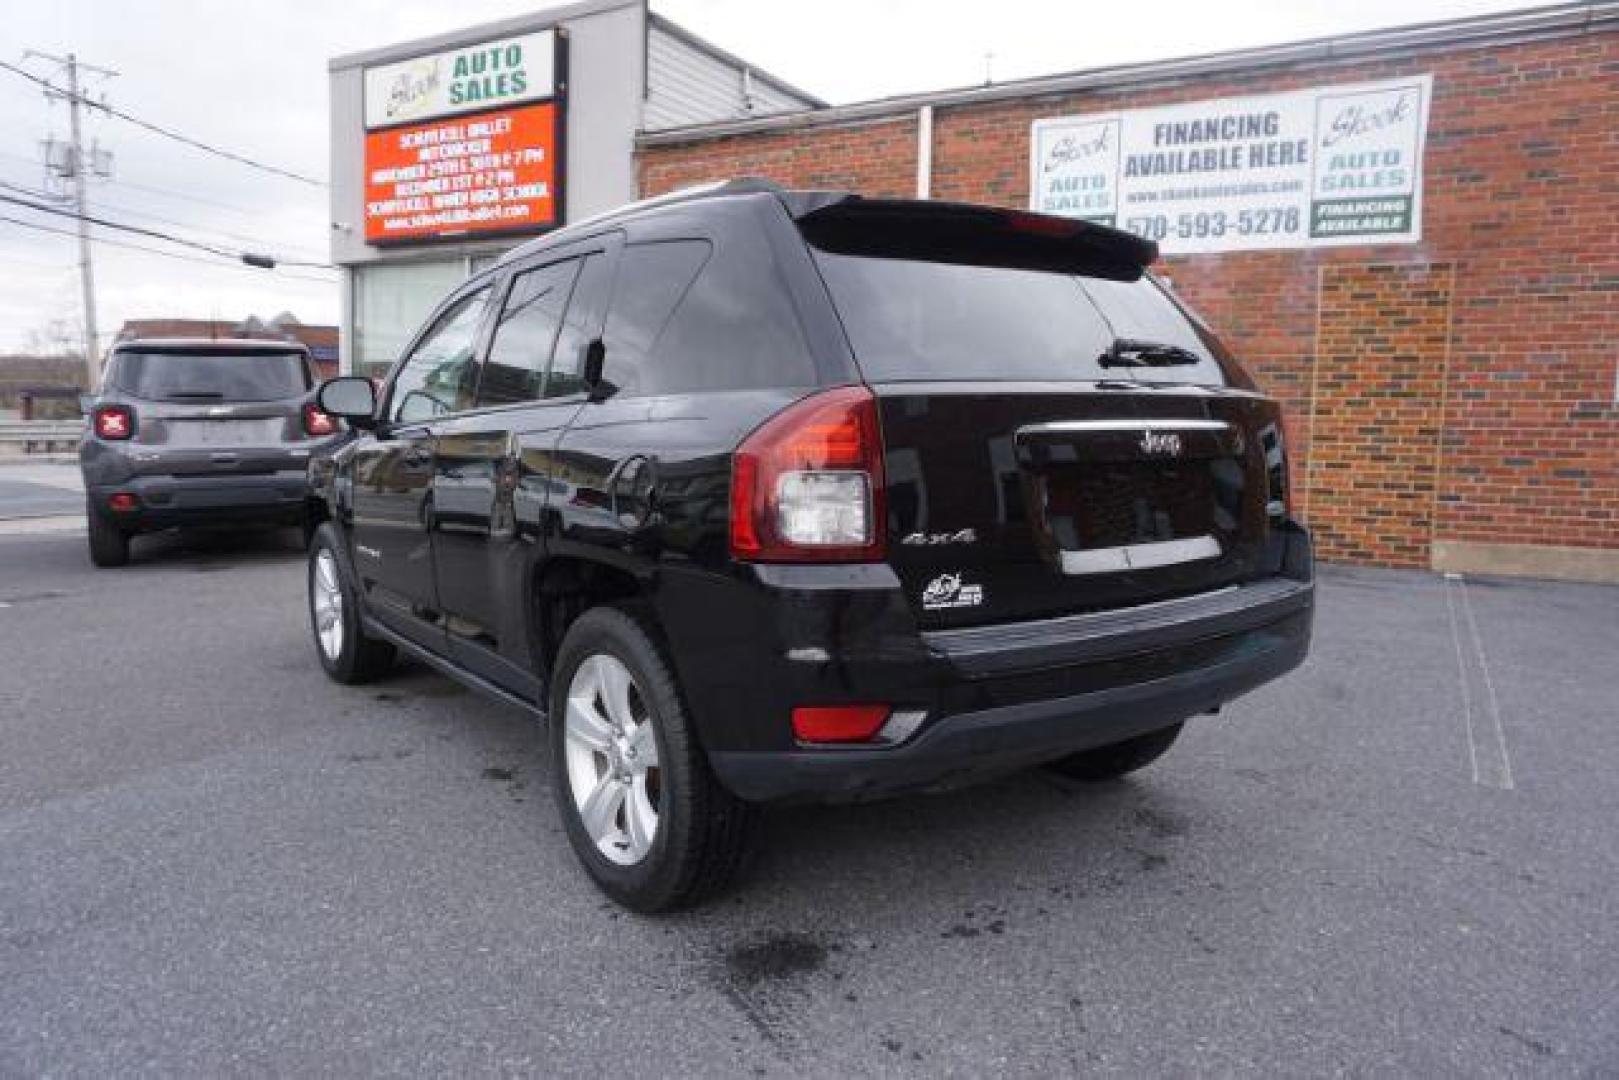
[(114, 422), (317, 423), (807, 485), (839, 723)]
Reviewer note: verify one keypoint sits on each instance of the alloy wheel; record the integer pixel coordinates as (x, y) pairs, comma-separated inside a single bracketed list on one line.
[(612, 759), (326, 599)]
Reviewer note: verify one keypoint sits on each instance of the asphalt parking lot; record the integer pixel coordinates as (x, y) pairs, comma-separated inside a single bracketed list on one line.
[(1402, 859)]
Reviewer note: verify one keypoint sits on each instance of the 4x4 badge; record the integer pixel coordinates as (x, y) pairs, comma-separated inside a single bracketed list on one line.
[(921, 539), (948, 591)]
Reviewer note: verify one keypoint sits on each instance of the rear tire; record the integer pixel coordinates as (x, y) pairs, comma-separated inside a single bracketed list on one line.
[(663, 833), (347, 653), (109, 545), (1117, 759)]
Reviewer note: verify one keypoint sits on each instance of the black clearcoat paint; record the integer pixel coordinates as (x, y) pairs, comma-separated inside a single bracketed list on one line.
[(463, 529)]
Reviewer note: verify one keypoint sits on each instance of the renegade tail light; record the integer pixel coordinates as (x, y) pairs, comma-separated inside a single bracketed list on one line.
[(839, 723), (807, 485), (317, 423), (115, 422), (123, 502)]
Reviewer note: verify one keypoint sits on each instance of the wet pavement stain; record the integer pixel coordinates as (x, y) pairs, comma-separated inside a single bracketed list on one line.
[(760, 978), (1161, 823), (512, 778), (1540, 1048), (780, 956)]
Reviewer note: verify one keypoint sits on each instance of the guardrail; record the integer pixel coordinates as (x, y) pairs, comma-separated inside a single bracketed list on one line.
[(40, 435)]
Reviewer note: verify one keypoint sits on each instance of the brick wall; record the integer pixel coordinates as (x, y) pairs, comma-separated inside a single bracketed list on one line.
[(1496, 425)]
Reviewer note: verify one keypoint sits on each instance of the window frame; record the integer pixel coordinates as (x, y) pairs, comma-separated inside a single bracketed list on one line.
[(610, 246), (486, 281), (498, 279), (507, 286)]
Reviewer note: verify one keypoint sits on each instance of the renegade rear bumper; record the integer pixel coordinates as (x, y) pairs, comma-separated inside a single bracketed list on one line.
[(170, 501)]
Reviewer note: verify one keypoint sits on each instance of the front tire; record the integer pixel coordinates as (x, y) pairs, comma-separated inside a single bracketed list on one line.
[(347, 653), (1117, 759), (109, 545), (653, 827)]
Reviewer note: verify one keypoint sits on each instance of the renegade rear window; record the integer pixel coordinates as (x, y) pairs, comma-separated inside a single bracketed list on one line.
[(910, 319), (203, 376)]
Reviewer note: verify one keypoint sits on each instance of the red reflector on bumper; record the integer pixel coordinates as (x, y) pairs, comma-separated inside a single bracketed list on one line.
[(123, 501), (839, 723)]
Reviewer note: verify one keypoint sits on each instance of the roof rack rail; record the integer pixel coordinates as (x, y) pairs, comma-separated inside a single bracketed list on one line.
[(747, 185)]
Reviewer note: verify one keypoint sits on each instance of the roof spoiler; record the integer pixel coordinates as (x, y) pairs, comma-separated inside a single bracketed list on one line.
[(964, 233)]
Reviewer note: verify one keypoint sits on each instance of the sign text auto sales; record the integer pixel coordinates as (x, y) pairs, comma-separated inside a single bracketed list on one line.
[(1313, 167), (465, 141)]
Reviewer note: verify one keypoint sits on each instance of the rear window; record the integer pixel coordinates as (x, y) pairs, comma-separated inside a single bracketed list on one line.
[(914, 320), (200, 376)]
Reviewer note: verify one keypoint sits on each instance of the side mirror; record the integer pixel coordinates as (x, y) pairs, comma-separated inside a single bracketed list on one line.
[(351, 397), (590, 371)]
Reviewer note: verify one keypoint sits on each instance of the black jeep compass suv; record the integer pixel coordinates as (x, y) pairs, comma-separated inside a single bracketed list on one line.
[(770, 495)]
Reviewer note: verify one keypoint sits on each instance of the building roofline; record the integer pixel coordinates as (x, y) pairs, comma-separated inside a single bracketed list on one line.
[(674, 29), (1533, 24), (543, 19)]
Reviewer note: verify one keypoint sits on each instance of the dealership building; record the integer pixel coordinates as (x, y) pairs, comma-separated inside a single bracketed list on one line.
[(450, 150), (1410, 236)]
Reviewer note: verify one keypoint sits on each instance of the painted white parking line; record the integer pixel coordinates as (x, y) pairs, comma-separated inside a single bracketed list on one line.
[(55, 523), (53, 474), (1486, 736)]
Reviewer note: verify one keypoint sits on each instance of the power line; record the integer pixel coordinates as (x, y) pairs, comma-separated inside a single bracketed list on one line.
[(256, 241), (156, 251), (167, 133), (163, 192), (181, 196), (157, 234)]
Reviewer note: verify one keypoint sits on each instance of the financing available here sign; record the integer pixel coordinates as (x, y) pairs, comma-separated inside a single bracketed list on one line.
[(1318, 167)]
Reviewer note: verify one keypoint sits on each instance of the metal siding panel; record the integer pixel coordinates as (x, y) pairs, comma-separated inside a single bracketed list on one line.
[(688, 86)]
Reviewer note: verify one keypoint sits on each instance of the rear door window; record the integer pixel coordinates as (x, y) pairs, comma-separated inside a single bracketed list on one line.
[(911, 319), (202, 376), (521, 348), (581, 326)]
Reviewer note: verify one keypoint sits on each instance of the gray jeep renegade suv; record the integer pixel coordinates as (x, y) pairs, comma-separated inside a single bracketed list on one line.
[(198, 432)]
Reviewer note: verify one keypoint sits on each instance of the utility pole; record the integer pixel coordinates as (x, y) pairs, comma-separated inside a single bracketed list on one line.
[(81, 201), (79, 166)]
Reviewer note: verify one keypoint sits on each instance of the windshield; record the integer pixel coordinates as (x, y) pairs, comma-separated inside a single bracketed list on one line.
[(911, 319), (201, 376)]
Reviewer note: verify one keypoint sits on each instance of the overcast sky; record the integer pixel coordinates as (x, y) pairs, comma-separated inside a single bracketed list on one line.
[(252, 77)]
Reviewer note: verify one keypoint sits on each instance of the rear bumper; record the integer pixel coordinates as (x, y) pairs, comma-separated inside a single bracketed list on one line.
[(972, 746), (975, 703), (170, 501)]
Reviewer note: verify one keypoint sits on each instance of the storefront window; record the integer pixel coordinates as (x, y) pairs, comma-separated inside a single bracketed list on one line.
[(391, 303)]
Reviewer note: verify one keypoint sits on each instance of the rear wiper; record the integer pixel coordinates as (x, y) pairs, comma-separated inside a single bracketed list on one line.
[(182, 395), (1127, 352)]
